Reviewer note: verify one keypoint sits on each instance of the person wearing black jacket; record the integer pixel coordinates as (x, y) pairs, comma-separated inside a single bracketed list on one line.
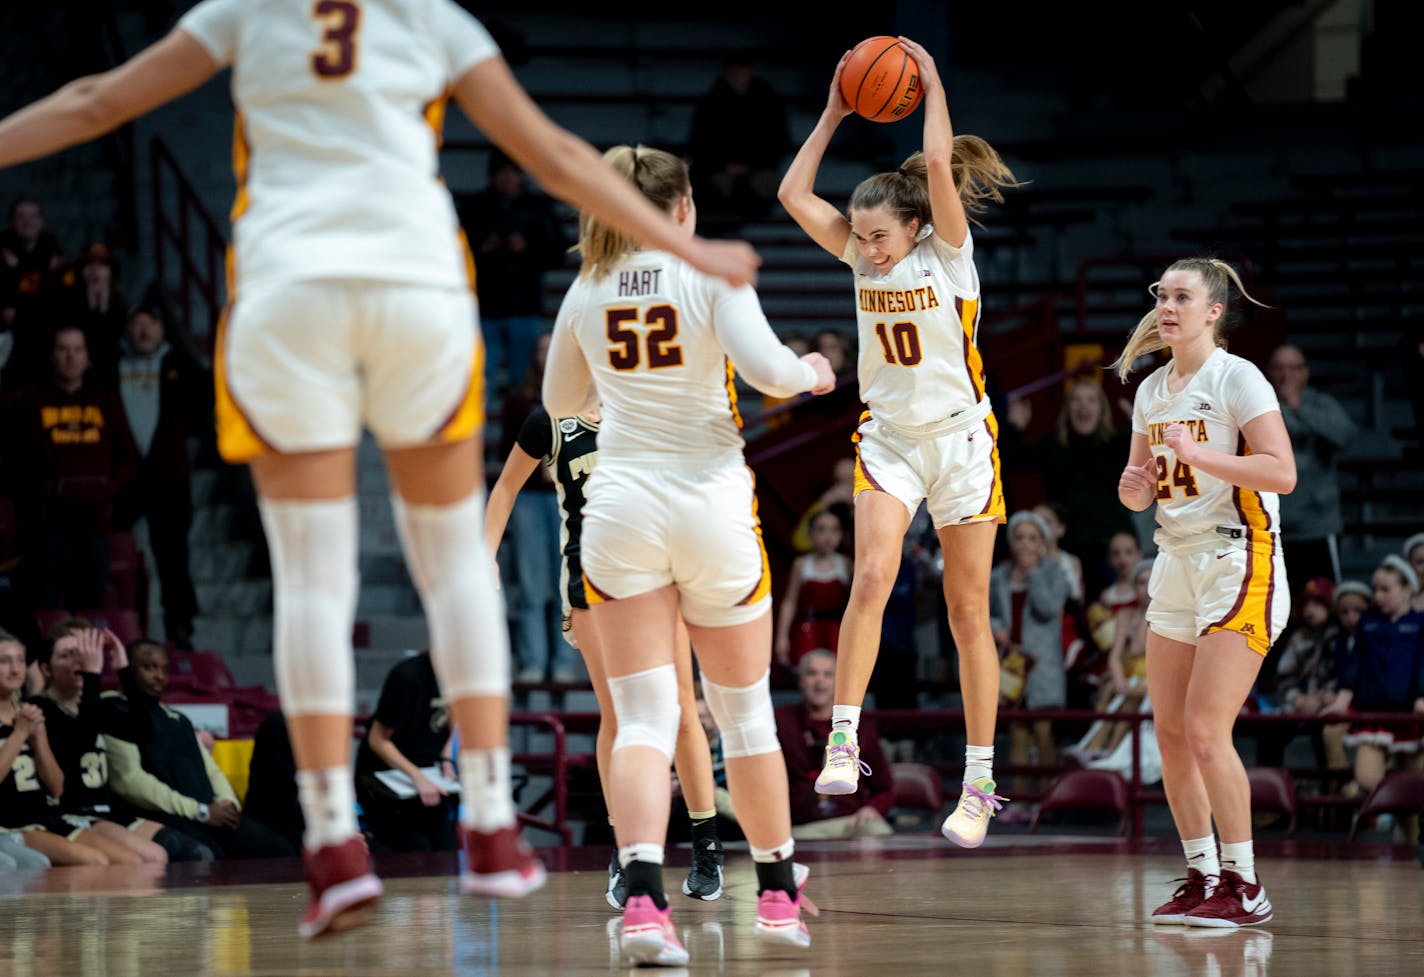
[(169, 775), (71, 659)]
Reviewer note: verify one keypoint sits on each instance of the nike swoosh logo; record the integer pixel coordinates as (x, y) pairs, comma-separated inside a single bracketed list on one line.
[(1254, 905), (570, 437), (1222, 556)]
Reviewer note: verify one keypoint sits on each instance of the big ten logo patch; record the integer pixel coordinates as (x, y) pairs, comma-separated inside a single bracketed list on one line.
[(73, 423)]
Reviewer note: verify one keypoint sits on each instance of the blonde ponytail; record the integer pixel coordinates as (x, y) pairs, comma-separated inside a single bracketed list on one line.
[(659, 175), (979, 177), (1217, 276)]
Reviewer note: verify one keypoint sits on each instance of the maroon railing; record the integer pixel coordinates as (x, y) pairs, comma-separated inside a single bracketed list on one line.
[(189, 247)]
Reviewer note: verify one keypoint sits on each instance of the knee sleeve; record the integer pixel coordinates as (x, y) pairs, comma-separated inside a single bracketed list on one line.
[(647, 709), (453, 570), (314, 582), (744, 717)]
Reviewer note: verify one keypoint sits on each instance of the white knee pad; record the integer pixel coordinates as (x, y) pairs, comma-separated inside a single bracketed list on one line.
[(744, 717), (647, 709), (454, 573), (314, 583)]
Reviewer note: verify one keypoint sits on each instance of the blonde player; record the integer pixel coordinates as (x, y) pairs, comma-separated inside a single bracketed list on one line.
[(670, 526), (1210, 448), (350, 305), (929, 434)]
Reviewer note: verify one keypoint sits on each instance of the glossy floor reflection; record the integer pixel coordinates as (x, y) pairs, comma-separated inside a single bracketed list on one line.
[(912, 907)]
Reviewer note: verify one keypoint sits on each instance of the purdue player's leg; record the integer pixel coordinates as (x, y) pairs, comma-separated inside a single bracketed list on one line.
[(693, 763)]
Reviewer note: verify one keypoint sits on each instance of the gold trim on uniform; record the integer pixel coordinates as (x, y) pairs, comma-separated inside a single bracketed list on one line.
[(238, 440), (968, 310), (592, 594), (863, 481), (732, 394), (467, 419), (995, 508), (763, 586), (1251, 614)]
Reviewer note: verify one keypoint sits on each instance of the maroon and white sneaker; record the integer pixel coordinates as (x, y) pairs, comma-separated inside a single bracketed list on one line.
[(1232, 903), (1193, 891), (499, 863), (343, 888)]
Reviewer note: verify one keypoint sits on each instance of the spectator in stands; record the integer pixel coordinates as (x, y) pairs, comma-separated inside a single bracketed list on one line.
[(1124, 556), (738, 139), (1319, 430), (1055, 516), (98, 307), (1080, 461), (1414, 553), (532, 594), (1026, 597), (1125, 686), (30, 266), (72, 658), (28, 770), (804, 729), (799, 345), (516, 237), (272, 781), (170, 777), (836, 348), (838, 495), (816, 593), (410, 733), (163, 389), (1384, 673), (1306, 677), (72, 454)]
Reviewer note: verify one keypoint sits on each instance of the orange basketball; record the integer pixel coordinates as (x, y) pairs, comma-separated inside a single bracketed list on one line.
[(880, 81)]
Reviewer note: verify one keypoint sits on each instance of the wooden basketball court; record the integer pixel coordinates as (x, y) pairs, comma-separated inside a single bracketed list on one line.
[(1066, 905)]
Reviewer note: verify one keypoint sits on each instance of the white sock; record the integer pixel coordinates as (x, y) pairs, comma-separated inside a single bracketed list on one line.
[(1240, 857), (845, 717), (978, 762), (642, 851), (781, 853), (328, 799), (484, 782), (1201, 854)]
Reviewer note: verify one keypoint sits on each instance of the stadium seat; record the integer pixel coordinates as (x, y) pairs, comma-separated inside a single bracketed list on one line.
[(1400, 792), (917, 786), (1273, 789), (1078, 790)]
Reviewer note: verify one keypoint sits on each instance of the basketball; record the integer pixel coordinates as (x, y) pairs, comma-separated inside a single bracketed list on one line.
[(880, 81)]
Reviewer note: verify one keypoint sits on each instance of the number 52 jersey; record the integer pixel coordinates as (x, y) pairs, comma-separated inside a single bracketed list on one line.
[(1226, 393)]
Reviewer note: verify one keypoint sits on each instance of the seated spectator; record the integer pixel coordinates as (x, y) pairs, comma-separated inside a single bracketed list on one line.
[(804, 730), (1026, 597), (28, 771), (164, 392), (1383, 673), (72, 659), (1414, 553), (816, 595), (71, 454), (1126, 687), (1306, 679), (1124, 557), (410, 729), (30, 265), (97, 306), (839, 493), (272, 781), (738, 137), (170, 777)]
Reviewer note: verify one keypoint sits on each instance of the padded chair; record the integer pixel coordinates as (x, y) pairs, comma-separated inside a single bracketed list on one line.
[(1085, 790), (917, 786), (1400, 792), (1273, 789)]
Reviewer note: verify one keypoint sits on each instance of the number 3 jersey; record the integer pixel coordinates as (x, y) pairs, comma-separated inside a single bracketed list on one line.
[(918, 325), (663, 343), (339, 109), (1226, 393)]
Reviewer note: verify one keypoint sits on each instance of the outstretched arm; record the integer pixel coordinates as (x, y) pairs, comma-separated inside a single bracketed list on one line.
[(950, 223), (817, 217), (517, 469), (87, 108), (568, 168)]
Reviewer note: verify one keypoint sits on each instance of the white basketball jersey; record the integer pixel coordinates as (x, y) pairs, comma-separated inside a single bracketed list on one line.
[(339, 109), (660, 339), (919, 365), (1225, 394)]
